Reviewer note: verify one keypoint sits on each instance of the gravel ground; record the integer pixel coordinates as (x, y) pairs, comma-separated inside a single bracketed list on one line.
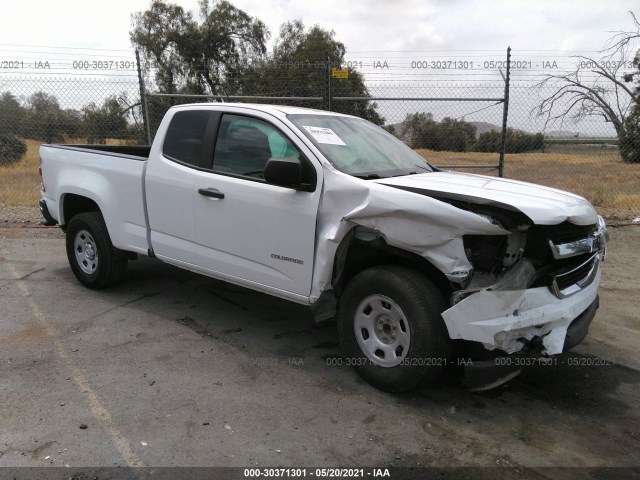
[(19, 214)]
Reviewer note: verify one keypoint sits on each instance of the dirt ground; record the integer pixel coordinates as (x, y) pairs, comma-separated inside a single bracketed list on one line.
[(175, 369)]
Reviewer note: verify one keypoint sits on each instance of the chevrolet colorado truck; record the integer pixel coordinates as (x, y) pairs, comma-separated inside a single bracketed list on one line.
[(331, 211)]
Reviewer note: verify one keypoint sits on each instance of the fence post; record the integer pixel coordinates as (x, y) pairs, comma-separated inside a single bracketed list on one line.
[(143, 100), (505, 113), (327, 82)]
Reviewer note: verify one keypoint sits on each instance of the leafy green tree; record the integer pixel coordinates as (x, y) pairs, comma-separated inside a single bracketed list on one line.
[(71, 123), (217, 48), (224, 53), (43, 119), (629, 139), (107, 121), (193, 57), (158, 33), (11, 113), (300, 66), (456, 135), (629, 136), (489, 141), (420, 130)]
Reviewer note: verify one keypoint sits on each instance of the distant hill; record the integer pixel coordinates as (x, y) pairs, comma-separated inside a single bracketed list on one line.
[(562, 134), (484, 127)]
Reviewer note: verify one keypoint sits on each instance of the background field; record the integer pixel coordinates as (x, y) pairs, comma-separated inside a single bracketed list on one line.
[(20, 182), (597, 174)]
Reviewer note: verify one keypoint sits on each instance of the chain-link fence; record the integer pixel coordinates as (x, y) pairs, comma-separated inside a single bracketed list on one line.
[(583, 158), (449, 107), (38, 107)]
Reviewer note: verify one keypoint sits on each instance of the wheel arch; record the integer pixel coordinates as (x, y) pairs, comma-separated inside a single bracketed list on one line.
[(71, 204), (363, 248)]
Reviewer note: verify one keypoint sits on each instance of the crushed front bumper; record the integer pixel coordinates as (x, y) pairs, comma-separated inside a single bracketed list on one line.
[(488, 374), (579, 328), (519, 326), (512, 321)]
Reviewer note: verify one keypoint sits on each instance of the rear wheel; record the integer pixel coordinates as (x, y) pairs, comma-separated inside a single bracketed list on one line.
[(94, 260), (391, 328)]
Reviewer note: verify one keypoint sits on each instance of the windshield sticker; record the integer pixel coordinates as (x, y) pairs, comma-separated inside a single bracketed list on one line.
[(324, 135)]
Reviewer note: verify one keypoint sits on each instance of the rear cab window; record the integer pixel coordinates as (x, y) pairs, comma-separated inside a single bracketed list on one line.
[(189, 137)]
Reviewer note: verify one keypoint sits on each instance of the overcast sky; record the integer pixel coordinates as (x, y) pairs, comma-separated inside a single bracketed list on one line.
[(363, 25), (399, 32)]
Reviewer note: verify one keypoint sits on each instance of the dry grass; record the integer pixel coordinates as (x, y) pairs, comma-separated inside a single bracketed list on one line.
[(20, 182), (599, 176)]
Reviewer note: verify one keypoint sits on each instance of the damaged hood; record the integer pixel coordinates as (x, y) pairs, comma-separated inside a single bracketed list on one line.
[(543, 205)]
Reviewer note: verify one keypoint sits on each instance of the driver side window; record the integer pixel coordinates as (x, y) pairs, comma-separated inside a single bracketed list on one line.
[(244, 145)]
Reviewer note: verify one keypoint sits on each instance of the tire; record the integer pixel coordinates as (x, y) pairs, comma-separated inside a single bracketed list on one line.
[(391, 329), (94, 260)]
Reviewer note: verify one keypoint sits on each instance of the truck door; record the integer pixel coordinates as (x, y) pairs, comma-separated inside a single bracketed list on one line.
[(245, 228), (169, 183)]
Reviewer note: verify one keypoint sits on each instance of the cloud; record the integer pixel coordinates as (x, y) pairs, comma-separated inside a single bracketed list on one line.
[(364, 25)]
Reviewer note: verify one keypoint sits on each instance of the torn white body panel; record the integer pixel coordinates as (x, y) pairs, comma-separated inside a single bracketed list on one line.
[(412, 222), (498, 319)]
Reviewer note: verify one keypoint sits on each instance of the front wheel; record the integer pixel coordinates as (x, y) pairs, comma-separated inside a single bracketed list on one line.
[(391, 328), (94, 260)]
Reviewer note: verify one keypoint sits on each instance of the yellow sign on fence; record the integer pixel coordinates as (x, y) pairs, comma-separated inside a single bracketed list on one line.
[(340, 72)]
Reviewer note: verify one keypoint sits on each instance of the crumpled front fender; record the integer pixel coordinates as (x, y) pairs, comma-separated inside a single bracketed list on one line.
[(406, 220)]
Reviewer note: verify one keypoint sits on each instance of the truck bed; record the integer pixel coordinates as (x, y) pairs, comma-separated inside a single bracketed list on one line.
[(112, 176), (134, 152)]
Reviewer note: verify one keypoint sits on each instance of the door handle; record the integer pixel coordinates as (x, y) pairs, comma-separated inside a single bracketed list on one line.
[(211, 192)]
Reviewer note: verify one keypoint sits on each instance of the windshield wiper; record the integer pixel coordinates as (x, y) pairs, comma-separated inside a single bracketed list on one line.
[(369, 176)]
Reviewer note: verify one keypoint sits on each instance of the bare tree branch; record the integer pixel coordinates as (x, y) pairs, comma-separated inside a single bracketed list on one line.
[(622, 40), (599, 88)]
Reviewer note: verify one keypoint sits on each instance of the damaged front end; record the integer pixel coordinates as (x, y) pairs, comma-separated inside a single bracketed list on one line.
[(519, 262), (532, 293)]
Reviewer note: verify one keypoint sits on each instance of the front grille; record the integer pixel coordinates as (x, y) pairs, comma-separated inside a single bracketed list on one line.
[(567, 232), (574, 276), (574, 279)]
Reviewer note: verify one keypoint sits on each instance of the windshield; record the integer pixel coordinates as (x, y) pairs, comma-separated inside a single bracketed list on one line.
[(358, 147)]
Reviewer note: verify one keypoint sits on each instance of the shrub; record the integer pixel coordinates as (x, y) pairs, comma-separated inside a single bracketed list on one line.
[(420, 130), (516, 141), (629, 139), (12, 148)]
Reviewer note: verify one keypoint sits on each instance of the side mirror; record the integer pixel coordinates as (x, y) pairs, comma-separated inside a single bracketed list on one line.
[(284, 172)]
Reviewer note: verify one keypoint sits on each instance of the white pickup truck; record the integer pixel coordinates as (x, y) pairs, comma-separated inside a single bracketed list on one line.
[(331, 211)]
